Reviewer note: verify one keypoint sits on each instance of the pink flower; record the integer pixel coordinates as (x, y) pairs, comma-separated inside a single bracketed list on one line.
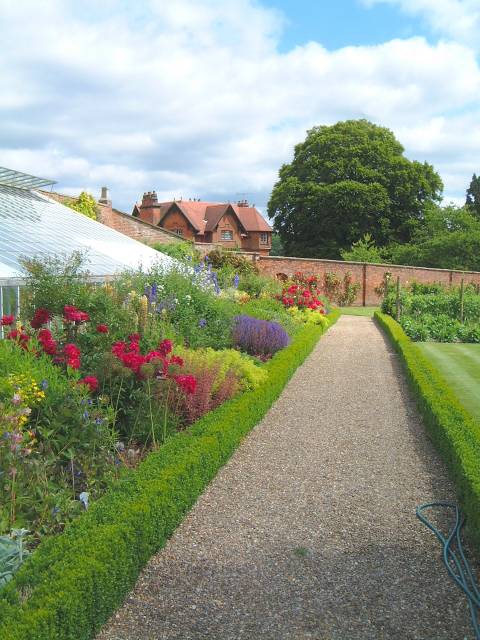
[(7, 321), (102, 328), (90, 381)]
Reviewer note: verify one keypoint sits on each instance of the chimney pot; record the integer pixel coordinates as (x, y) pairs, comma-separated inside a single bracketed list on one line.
[(105, 197)]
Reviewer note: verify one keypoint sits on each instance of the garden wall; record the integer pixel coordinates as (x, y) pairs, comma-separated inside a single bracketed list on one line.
[(370, 276), (135, 228)]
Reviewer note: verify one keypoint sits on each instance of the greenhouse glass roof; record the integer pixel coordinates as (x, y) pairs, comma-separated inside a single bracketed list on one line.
[(33, 225)]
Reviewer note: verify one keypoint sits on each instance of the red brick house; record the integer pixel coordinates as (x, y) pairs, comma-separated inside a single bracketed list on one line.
[(231, 225)]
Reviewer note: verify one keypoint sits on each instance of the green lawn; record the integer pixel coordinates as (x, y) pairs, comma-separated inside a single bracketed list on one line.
[(460, 366), (359, 311)]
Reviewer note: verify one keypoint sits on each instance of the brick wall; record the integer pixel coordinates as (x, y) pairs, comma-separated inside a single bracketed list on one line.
[(135, 228), (369, 276)]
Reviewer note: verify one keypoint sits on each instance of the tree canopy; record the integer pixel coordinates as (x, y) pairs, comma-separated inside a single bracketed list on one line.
[(473, 195), (345, 181)]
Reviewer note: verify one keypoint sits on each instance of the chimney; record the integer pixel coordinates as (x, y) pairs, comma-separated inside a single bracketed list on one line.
[(105, 197), (242, 203), (150, 209)]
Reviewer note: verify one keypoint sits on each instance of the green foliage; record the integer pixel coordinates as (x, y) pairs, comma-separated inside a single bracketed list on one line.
[(234, 261), (342, 291), (473, 196), (347, 180), (454, 431), (250, 374), (85, 203), (364, 250), (12, 555), (184, 251), (73, 583), (54, 442), (257, 285), (277, 246)]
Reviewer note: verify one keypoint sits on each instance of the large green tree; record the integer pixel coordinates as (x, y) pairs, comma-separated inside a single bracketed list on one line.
[(347, 180), (473, 195)]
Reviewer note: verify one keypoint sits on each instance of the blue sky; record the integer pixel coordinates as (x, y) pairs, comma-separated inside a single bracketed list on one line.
[(207, 98), (343, 23)]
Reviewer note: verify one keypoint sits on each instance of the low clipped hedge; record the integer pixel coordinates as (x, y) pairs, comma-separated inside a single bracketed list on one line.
[(73, 582), (453, 430)]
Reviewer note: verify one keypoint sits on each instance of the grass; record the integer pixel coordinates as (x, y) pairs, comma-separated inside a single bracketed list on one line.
[(359, 311), (460, 366)]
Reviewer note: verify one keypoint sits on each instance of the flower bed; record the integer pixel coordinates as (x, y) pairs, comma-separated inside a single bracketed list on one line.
[(94, 377), (73, 583)]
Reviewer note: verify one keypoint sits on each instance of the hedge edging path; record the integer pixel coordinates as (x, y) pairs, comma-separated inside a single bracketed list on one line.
[(309, 530), (74, 581)]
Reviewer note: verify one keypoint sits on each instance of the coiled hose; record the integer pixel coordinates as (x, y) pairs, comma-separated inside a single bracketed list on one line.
[(455, 561)]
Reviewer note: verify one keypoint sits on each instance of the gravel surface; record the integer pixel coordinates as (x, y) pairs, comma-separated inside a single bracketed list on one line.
[(310, 531)]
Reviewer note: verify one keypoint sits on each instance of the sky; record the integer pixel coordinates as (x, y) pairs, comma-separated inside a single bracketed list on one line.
[(207, 98)]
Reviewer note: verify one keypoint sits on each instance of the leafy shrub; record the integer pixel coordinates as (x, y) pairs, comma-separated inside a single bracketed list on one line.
[(184, 251), (259, 337), (341, 291), (250, 375), (236, 262)]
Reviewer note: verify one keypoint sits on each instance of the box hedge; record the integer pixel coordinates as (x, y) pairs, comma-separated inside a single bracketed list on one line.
[(453, 430), (73, 582)]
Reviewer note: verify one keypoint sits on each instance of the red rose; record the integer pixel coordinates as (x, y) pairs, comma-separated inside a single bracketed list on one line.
[(7, 321), (90, 381), (102, 328)]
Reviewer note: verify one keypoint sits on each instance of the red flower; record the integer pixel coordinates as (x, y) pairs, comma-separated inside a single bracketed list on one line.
[(134, 337), (44, 334), (49, 346), (119, 348), (20, 337), (102, 328), (188, 383), (72, 314), (90, 381), (165, 347), (74, 363), (71, 350), (40, 317), (176, 360), (7, 321), (133, 361)]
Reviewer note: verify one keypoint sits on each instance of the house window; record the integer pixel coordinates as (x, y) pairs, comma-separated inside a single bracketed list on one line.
[(227, 235), (178, 231), (264, 238)]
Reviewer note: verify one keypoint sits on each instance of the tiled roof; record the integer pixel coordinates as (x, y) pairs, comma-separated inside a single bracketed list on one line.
[(204, 216)]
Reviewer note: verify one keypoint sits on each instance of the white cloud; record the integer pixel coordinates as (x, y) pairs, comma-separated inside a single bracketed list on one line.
[(194, 98), (456, 19)]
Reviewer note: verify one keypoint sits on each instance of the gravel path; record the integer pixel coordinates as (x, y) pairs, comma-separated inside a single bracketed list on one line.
[(310, 531)]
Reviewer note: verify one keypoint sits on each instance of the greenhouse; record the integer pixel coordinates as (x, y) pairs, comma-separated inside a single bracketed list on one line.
[(33, 225)]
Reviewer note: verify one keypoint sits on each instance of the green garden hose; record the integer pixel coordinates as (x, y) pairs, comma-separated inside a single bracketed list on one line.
[(455, 561)]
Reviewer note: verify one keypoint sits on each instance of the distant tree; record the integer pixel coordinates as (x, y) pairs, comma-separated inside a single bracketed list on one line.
[(344, 181), (364, 250), (473, 195), (277, 246)]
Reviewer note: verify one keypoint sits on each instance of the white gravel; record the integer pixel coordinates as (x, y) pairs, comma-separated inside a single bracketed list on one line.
[(309, 531)]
